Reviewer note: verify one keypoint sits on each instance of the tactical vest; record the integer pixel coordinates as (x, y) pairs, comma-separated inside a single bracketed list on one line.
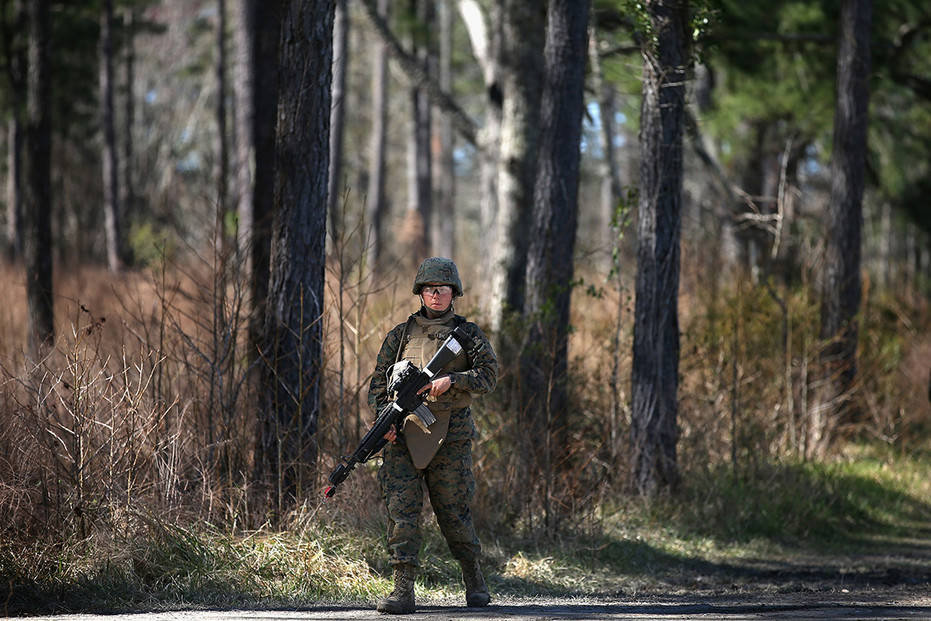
[(422, 340)]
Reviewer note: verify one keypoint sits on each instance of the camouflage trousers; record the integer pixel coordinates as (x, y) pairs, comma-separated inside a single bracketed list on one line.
[(451, 487)]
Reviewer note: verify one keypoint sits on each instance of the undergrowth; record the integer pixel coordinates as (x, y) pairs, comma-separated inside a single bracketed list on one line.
[(865, 498), (126, 470)]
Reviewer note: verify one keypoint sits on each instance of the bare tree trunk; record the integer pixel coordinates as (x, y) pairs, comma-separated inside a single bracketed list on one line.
[(223, 150), (885, 246), (419, 161), (750, 240), (840, 296), (110, 163), (521, 80), (293, 352), (610, 197), (654, 377), (129, 120), (487, 48), (555, 215), (17, 67), (337, 114), (37, 194), (443, 231), (610, 176), (376, 202), (417, 220), (256, 87), (244, 37), (14, 210)]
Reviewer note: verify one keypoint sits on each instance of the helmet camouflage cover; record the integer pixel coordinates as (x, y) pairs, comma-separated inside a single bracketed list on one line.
[(438, 270)]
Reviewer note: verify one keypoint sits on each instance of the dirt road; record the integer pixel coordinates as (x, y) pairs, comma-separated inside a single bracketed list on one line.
[(886, 605)]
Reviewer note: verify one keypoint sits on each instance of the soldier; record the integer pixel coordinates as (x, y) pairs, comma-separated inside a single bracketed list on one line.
[(441, 456)]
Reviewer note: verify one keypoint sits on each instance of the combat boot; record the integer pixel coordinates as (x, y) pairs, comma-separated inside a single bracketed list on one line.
[(401, 599), (476, 591)]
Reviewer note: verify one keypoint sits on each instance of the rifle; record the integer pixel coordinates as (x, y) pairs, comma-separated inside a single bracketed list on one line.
[(405, 385)]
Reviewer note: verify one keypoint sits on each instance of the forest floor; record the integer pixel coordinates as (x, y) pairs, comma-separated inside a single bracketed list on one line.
[(847, 540), (881, 579)]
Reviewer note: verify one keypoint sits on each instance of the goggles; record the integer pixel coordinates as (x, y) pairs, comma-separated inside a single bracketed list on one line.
[(439, 290)]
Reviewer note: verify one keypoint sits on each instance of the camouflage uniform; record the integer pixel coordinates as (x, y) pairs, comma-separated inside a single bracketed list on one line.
[(449, 475)]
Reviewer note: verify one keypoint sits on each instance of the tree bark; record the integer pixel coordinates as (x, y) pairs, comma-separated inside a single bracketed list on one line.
[(17, 68), (256, 87), (293, 350), (14, 209), (129, 119), (222, 144), (419, 160), (110, 159), (486, 48), (654, 376), (884, 269), (555, 214), (37, 194), (443, 230), (337, 114), (841, 287), (520, 81), (376, 202)]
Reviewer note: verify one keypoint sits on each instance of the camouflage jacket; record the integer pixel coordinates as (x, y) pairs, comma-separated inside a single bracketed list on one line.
[(480, 378)]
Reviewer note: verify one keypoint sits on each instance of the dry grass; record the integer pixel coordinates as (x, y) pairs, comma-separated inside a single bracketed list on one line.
[(145, 408)]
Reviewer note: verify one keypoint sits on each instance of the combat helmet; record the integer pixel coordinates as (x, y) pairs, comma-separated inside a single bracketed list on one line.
[(439, 270)]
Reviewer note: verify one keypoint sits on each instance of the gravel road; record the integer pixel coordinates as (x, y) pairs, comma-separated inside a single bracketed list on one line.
[(882, 604)]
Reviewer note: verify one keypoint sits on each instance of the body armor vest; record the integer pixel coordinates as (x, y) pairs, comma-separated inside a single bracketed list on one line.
[(423, 339)]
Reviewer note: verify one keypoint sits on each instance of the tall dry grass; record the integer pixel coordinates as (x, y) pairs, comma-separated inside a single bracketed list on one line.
[(145, 406)]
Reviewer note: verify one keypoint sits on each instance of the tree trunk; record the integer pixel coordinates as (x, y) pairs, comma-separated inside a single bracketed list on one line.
[(520, 80), (14, 210), (654, 376), (244, 37), (223, 150), (376, 202), (610, 194), (37, 195), (611, 223), (443, 231), (840, 295), (293, 352), (17, 67), (256, 87), (555, 214), (110, 163), (337, 114), (884, 270), (486, 47), (129, 119), (419, 161)]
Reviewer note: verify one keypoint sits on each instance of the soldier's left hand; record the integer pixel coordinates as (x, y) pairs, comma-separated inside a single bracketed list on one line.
[(437, 387)]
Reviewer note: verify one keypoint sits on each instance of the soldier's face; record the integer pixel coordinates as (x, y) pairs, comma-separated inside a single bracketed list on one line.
[(436, 297)]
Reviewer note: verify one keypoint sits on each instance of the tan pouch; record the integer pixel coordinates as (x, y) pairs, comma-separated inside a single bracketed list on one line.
[(423, 443)]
